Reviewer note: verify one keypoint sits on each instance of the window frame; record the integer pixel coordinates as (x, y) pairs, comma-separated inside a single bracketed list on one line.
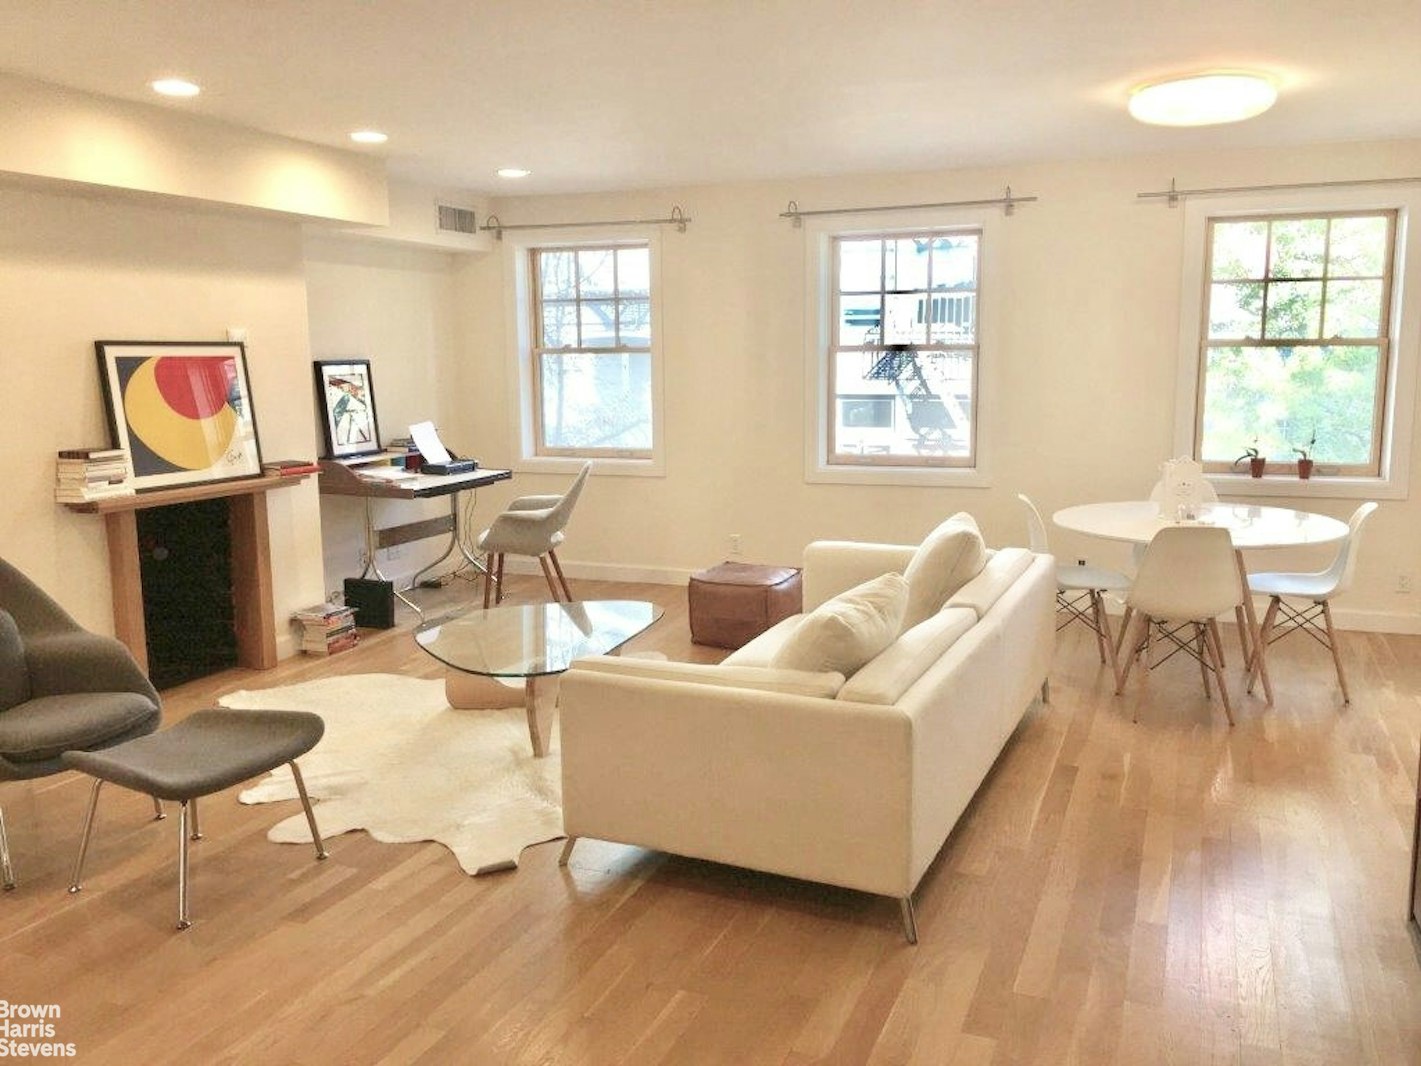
[(523, 301), (821, 289), (1391, 481), (1384, 341)]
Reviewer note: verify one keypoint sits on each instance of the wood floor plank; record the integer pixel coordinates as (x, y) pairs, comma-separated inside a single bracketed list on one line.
[(1172, 891)]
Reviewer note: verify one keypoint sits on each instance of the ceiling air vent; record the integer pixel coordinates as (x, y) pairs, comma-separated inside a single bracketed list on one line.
[(456, 219)]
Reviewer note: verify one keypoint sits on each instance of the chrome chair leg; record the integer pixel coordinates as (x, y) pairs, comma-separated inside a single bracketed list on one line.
[(76, 882), (910, 920), (183, 921), (158, 814), (310, 814), (192, 813), (567, 851), (6, 870), (1046, 690)]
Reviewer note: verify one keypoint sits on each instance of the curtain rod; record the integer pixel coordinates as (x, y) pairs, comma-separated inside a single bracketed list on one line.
[(1006, 202), (1173, 193), (677, 218)]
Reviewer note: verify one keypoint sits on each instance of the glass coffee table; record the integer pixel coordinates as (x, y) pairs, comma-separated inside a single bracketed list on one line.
[(533, 643)]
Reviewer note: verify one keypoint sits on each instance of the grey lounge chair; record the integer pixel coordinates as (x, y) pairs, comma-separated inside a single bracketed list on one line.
[(62, 689), (532, 525)]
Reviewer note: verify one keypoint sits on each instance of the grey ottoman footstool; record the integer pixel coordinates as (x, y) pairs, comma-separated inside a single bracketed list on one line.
[(202, 754)]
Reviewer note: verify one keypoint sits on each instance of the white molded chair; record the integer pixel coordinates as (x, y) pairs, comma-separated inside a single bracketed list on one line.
[(1079, 589), (1188, 576), (531, 525), (1319, 588)]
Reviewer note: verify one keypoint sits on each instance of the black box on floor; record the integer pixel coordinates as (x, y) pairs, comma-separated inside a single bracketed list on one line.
[(373, 601)]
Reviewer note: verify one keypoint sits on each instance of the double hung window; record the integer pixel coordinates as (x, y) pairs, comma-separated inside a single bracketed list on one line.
[(1297, 340), (592, 374), (903, 349)]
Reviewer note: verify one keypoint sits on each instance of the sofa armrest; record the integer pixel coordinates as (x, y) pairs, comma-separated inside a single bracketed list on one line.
[(793, 785), (835, 566), (80, 661)]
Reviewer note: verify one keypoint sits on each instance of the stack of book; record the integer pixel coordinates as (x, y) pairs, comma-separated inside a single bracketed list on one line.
[(290, 467), (327, 628), (84, 474)]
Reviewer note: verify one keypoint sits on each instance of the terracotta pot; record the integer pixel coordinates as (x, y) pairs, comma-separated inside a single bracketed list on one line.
[(1304, 468), (1255, 466)]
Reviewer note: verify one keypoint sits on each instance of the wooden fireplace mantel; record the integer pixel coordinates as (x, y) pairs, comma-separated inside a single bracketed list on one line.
[(254, 619)]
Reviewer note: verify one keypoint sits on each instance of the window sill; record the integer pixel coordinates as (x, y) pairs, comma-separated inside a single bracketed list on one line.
[(954, 477), (1314, 488), (567, 464)]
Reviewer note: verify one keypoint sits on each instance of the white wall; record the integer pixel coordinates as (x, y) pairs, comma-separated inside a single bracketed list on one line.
[(1086, 357), (74, 269), (397, 307)]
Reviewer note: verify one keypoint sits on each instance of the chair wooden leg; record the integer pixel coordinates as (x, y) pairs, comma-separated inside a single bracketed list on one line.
[(7, 872), (1097, 617), (1217, 644), (498, 585), (562, 580), (1131, 650), (1336, 653), (1205, 659), (1244, 636), (548, 575), (488, 580), (1124, 628), (1265, 633)]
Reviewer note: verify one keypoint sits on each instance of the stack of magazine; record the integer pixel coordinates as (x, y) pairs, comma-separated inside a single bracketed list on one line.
[(327, 628), (84, 474)]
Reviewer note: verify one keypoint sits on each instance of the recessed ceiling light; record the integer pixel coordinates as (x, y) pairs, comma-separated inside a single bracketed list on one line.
[(1203, 99), (513, 172), (369, 137), (175, 87)]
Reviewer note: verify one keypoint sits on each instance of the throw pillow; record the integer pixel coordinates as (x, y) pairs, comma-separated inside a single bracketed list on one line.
[(949, 557), (14, 674), (843, 633)]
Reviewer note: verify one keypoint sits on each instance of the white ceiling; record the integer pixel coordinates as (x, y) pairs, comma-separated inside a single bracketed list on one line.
[(618, 94)]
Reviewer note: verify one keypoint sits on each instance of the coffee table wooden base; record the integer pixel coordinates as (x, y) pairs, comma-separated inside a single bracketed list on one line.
[(537, 695)]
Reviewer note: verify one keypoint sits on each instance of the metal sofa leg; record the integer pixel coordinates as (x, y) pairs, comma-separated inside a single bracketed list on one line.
[(6, 870), (567, 851), (910, 920), (76, 882), (310, 814)]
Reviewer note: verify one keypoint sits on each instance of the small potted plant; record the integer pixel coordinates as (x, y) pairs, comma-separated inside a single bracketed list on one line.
[(1256, 462), (1305, 458)]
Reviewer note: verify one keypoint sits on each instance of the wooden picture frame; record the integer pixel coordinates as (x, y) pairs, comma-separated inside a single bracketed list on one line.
[(345, 397), (181, 410)]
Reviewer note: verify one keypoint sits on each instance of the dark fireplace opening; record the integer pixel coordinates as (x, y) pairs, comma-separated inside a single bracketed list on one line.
[(185, 555)]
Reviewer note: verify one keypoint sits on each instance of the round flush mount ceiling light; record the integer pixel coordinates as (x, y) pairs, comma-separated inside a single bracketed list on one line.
[(175, 87), (1203, 99), (513, 172), (369, 137)]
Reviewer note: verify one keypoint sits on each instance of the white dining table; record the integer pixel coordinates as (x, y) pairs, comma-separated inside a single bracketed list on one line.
[(1250, 527)]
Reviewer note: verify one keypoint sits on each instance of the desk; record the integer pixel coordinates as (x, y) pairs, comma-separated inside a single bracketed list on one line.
[(1137, 521), (343, 479)]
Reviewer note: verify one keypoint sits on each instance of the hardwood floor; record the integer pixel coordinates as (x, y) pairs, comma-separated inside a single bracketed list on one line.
[(1167, 892)]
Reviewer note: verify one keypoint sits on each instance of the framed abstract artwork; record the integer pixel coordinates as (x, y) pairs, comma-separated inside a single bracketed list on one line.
[(345, 395), (182, 410)]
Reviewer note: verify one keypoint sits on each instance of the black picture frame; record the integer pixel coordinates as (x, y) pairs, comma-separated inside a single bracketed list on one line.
[(345, 399), (181, 410)]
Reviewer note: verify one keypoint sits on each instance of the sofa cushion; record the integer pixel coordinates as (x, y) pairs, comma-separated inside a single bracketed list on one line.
[(43, 727), (1003, 568), (762, 649), (14, 674), (892, 672), (843, 633), (949, 557), (825, 684)]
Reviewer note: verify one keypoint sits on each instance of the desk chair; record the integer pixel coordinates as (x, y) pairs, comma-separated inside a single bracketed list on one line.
[(532, 525), (1080, 589), (1318, 588), (1187, 577), (61, 689)]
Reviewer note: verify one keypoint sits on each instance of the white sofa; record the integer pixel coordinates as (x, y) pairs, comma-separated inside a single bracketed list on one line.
[(854, 782)]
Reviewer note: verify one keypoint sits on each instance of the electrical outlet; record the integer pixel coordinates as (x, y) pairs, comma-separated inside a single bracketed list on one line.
[(1403, 584), (735, 544)]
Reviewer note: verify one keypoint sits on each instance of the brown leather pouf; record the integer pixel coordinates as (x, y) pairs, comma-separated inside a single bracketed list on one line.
[(734, 602)]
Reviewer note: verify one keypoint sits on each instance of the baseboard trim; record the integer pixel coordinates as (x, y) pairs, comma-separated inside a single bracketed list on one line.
[(1405, 623), (639, 575)]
